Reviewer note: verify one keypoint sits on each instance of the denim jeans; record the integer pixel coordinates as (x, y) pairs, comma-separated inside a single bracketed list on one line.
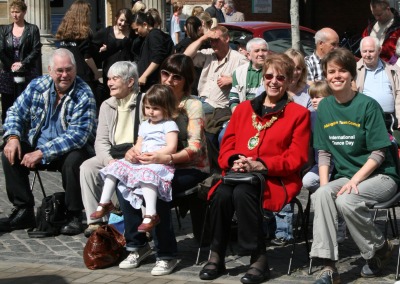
[(207, 108), (284, 222), (164, 237)]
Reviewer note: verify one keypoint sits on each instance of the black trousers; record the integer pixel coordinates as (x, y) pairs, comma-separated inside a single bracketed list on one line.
[(245, 200), (17, 178)]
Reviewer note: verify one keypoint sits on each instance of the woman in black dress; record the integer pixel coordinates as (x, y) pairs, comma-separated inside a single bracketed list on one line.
[(114, 44)]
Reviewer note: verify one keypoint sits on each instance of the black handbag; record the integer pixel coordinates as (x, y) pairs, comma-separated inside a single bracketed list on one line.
[(119, 151), (253, 178), (50, 216)]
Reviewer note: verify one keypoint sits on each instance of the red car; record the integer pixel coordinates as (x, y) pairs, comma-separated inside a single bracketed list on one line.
[(278, 35)]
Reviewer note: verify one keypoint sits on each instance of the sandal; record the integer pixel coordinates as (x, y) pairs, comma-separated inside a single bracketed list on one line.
[(105, 209)]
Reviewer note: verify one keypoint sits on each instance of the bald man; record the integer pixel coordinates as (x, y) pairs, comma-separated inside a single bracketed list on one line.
[(326, 40)]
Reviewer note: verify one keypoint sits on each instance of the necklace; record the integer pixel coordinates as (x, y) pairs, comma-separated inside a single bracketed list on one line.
[(253, 141)]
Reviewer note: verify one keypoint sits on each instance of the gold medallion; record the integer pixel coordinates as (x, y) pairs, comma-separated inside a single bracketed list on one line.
[(253, 142)]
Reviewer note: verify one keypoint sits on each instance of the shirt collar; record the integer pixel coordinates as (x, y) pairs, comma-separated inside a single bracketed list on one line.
[(378, 67)]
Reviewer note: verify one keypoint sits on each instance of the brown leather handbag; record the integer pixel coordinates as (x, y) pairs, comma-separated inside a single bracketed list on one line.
[(104, 248)]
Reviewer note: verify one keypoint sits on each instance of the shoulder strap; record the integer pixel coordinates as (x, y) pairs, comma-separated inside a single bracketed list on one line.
[(137, 119)]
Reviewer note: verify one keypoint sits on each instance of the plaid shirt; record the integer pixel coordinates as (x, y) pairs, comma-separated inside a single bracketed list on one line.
[(314, 69), (78, 113)]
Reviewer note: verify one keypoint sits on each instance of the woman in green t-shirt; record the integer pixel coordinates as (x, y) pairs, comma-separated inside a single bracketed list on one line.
[(350, 128)]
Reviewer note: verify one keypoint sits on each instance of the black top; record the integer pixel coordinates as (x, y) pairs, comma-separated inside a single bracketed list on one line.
[(156, 47), (81, 49), (215, 13), (117, 49)]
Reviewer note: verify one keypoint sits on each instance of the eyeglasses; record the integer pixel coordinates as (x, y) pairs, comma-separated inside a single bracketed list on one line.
[(279, 78), (60, 71), (175, 77)]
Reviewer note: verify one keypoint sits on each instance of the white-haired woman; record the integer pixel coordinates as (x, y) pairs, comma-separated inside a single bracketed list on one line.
[(118, 113)]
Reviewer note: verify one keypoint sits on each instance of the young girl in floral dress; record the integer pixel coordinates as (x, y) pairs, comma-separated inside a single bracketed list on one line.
[(138, 180)]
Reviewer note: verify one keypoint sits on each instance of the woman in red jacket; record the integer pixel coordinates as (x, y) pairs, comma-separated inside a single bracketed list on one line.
[(271, 134)]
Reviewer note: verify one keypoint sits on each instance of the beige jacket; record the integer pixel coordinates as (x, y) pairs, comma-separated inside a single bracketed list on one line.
[(106, 127), (393, 75)]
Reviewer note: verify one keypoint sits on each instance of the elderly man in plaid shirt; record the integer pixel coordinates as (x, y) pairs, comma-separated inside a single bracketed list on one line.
[(326, 40), (51, 124)]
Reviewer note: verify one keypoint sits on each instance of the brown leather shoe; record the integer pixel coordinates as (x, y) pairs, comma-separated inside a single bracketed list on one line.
[(155, 219), (105, 209)]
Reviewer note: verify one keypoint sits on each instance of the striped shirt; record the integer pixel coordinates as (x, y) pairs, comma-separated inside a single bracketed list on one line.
[(253, 81), (314, 69)]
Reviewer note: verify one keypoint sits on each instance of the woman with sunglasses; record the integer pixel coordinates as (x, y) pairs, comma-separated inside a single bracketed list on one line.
[(191, 167), (156, 46), (269, 134)]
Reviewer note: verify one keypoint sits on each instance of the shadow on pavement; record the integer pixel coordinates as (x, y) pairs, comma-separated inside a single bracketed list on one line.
[(54, 279)]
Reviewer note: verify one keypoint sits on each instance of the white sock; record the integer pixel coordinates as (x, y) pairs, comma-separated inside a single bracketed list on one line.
[(108, 189), (150, 197)]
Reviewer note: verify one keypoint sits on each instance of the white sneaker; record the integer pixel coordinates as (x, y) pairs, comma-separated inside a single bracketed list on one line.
[(341, 234), (164, 267), (135, 257)]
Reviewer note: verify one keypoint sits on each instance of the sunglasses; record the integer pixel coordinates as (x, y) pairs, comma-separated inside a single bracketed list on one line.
[(175, 77), (279, 78)]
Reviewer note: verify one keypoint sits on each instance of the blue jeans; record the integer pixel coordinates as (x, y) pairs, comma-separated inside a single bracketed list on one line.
[(207, 108), (164, 237), (284, 222)]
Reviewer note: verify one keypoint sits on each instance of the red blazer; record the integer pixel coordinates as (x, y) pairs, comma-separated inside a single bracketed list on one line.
[(283, 148)]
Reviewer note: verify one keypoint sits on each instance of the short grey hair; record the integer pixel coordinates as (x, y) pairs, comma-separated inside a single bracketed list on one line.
[(125, 70), (320, 36), (61, 52), (230, 4), (376, 42), (256, 40)]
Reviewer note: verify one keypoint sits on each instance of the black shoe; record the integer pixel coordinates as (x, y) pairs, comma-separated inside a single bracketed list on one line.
[(279, 242), (20, 218), (374, 265), (73, 227), (260, 277), (212, 273)]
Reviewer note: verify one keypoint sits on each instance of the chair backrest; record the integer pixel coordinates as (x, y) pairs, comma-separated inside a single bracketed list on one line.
[(394, 151)]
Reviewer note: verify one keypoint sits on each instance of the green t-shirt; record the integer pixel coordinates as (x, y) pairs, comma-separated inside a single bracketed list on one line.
[(350, 132)]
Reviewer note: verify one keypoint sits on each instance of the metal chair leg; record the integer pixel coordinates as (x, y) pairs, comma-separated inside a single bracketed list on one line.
[(202, 235), (178, 217), (296, 231), (396, 234), (310, 267), (397, 267)]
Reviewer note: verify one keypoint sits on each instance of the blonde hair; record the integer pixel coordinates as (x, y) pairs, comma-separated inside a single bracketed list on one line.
[(176, 6), (206, 20), (319, 89), (197, 10), (293, 53), (139, 6)]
